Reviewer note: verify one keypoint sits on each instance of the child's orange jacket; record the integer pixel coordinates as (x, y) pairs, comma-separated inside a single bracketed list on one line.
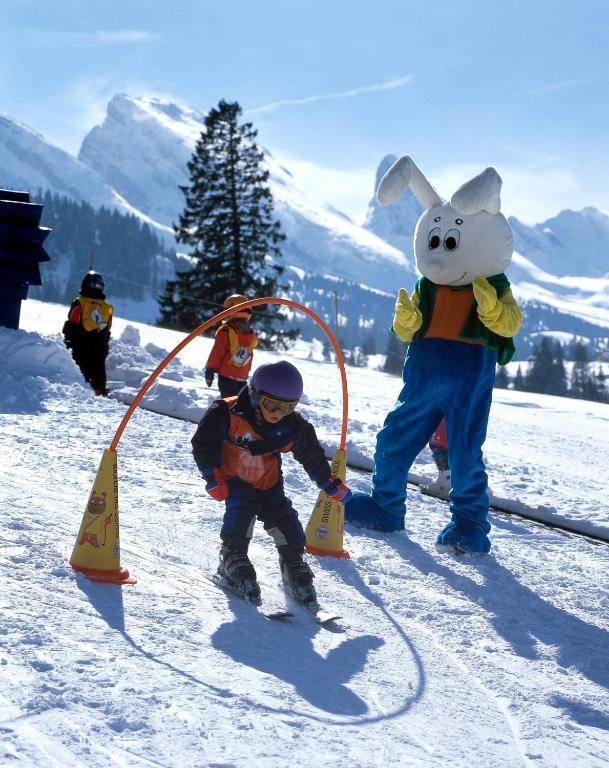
[(232, 352)]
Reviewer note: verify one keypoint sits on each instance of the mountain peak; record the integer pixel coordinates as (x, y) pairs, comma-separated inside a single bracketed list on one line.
[(142, 149)]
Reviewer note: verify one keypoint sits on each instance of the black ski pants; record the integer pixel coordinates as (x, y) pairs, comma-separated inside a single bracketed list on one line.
[(91, 359), (230, 387), (272, 507)]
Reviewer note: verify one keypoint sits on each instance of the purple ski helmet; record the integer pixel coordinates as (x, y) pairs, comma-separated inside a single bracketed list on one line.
[(281, 380)]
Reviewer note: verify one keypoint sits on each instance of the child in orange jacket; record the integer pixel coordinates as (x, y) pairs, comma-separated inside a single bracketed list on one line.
[(232, 353)]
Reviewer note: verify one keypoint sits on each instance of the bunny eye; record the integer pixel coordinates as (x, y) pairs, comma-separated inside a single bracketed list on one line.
[(451, 240), (437, 219), (433, 240), (458, 221)]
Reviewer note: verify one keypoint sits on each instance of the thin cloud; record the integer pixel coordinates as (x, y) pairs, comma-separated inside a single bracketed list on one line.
[(551, 87), (124, 36), (389, 85), (99, 38)]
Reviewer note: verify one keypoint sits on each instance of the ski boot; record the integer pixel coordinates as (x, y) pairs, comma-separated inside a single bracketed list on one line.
[(297, 579), (440, 487), (236, 569)]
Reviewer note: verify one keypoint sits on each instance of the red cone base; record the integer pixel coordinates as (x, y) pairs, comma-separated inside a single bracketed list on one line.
[(120, 576)]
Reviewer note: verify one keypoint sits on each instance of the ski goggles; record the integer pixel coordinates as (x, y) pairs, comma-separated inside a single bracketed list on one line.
[(275, 405)]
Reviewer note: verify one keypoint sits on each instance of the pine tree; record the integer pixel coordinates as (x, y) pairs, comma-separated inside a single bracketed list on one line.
[(519, 380), (580, 375), (369, 346), (394, 361), (538, 375), (502, 379), (558, 373), (228, 223), (601, 381)]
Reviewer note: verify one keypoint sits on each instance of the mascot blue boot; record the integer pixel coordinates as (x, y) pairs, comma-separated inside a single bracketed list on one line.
[(459, 324)]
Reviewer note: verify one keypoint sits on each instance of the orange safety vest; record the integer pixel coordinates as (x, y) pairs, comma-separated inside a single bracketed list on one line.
[(231, 354), (261, 471)]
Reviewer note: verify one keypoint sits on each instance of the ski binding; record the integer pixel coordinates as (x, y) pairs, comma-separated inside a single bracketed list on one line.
[(268, 611)]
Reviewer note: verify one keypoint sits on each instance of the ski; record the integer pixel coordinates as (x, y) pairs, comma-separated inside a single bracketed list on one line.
[(313, 608), (267, 611), (320, 615)]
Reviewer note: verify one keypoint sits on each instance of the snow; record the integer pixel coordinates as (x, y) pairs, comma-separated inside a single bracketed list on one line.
[(497, 661), (29, 162)]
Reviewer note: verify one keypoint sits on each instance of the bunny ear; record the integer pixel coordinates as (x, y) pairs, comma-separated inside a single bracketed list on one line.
[(479, 194), (404, 173)]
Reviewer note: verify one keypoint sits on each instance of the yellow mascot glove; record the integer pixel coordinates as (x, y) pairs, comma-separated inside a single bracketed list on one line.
[(407, 318), (499, 314)]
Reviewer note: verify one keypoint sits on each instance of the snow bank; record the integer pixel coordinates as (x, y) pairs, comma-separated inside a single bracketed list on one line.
[(31, 364)]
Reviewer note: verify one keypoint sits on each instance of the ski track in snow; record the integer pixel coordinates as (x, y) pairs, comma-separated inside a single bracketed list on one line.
[(438, 660)]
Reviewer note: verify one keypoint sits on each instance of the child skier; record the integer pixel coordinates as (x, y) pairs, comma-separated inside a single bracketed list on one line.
[(232, 352), (237, 448), (87, 331)]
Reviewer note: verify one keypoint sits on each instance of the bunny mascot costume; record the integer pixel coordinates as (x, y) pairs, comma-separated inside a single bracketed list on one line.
[(459, 323)]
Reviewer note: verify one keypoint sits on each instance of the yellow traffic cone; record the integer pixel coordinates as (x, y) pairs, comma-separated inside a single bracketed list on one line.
[(324, 531), (97, 549)]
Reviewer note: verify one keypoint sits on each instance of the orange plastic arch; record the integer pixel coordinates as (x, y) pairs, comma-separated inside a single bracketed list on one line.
[(217, 318)]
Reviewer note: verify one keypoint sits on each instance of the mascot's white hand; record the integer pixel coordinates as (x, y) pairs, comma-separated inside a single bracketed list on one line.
[(407, 318)]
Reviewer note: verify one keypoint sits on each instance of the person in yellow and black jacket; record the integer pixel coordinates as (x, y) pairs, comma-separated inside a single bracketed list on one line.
[(232, 354), (238, 447), (87, 331)]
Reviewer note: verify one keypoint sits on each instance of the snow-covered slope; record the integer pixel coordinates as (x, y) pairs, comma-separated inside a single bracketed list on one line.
[(478, 663), (142, 147), (518, 418), (28, 162), (141, 150), (571, 243), (394, 223)]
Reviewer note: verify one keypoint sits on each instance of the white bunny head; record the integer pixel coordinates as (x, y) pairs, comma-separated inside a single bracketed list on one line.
[(458, 241)]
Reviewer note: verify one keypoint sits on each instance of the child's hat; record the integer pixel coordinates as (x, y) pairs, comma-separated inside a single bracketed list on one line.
[(232, 301)]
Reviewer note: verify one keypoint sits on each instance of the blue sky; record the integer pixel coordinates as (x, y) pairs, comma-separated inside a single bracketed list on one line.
[(334, 85)]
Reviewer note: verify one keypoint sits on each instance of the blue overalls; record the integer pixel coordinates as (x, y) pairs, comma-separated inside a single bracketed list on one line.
[(442, 379)]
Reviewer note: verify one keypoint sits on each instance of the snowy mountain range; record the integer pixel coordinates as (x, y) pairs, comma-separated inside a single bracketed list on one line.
[(141, 150), (28, 162), (136, 159)]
